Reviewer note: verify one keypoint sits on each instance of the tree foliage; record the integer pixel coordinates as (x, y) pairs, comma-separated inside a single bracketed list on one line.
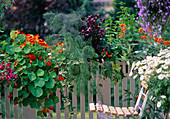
[(28, 14)]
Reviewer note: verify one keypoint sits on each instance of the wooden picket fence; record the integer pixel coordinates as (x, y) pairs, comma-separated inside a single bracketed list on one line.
[(104, 94)]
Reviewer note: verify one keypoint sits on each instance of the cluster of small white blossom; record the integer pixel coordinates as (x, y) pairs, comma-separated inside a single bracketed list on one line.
[(156, 66)]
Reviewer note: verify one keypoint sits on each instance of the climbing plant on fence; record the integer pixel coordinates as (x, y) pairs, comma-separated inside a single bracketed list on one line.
[(29, 66)]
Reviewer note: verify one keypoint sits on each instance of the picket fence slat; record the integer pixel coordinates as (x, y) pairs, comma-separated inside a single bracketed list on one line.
[(7, 103), (66, 111), (124, 84), (116, 96), (49, 116), (90, 95), (28, 113), (58, 105), (15, 94), (74, 100), (97, 84), (106, 88), (82, 105)]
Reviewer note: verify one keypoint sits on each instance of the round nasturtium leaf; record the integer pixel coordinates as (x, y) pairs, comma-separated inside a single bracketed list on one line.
[(40, 63), (19, 59), (53, 74), (40, 72), (20, 37), (45, 77), (31, 87), (25, 71), (62, 58), (32, 76), (39, 82), (18, 49), (56, 99), (28, 65), (22, 62), (10, 49), (13, 34), (27, 50), (50, 83), (37, 92), (48, 102)]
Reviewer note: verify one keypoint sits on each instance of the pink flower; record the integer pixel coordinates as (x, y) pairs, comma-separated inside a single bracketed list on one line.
[(15, 84)]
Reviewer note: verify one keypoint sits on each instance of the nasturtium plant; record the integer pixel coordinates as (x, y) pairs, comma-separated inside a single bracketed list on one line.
[(28, 66)]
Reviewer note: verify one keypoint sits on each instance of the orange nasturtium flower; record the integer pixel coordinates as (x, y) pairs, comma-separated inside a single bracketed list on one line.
[(32, 57), (155, 39), (123, 30), (122, 25), (17, 32), (57, 44), (140, 30), (166, 42), (30, 38), (16, 62), (61, 50), (22, 45), (121, 35), (160, 40), (143, 37)]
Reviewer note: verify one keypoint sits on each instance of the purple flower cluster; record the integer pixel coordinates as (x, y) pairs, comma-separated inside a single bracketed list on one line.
[(153, 13), (92, 27), (101, 115), (6, 72), (92, 31)]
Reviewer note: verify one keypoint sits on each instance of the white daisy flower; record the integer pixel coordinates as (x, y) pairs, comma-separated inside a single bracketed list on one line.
[(148, 71), (131, 73), (155, 64), (135, 76), (161, 61), (167, 75), (159, 70), (142, 77), (165, 66), (135, 68), (144, 62), (167, 55), (140, 71), (159, 104), (150, 63), (159, 54), (162, 52), (137, 64), (163, 96), (149, 57), (161, 76), (144, 67), (167, 61), (147, 77)]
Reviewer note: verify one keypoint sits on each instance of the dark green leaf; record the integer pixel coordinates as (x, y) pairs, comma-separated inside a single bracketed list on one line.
[(48, 102), (10, 49)]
